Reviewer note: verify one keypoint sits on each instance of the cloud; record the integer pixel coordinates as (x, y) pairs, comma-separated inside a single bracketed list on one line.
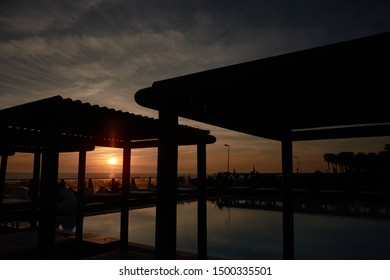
[(123, 46), (29, 17), (88, 66), (102, 52)]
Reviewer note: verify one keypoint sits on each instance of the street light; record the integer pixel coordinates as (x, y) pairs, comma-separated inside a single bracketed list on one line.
[(228, 157), (298, 163)]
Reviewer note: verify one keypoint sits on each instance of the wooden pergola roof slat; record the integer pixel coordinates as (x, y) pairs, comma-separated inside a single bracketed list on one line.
[(77, 123)]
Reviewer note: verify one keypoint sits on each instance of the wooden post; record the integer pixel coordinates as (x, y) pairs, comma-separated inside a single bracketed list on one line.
[(288, 209), (3, 173), (47, 211), (124, 230), (165, 239), (35, 188), (80, 196), (202, 203)]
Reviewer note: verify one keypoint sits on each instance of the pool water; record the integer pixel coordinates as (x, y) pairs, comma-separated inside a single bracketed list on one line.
[(244, 233)]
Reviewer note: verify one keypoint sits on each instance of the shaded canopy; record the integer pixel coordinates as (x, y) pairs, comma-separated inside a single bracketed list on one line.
[(332, 91), (74, 125)]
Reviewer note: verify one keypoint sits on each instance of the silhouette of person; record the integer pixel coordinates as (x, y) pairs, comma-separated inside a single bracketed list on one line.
[(66, 207), (89, 190)]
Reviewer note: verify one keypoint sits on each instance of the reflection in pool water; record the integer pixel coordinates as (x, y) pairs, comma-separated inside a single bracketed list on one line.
[(242, 233)]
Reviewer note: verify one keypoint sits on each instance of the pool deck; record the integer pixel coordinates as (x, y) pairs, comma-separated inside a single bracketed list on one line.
[(19, 241), (21, 245)]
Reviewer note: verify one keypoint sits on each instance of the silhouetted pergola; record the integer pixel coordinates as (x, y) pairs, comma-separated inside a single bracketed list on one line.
[(55, 125), (327, 92)]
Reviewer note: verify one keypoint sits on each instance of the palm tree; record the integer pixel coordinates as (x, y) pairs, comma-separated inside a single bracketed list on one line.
[(331, 159), (359, 162), (328, 158), (345, 160)]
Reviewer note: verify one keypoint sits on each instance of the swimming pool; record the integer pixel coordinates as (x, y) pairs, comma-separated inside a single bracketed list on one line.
[(245, 233)]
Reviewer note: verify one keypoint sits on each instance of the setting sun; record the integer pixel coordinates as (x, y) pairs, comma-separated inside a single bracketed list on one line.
[(112, 161)]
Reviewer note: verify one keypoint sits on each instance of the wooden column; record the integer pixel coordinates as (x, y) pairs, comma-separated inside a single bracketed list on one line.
[(34, 188), (165, 239), (47, 211), (80, 196), (287, 190), (202, 203), (3, 173), (124, 230)]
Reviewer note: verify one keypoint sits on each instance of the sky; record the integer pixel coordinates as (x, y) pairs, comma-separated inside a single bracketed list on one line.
[(103, 51)]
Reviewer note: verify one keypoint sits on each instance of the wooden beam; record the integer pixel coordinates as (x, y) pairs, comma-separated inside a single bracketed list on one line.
[(80, 196), (202, 202), (34, 188), (342, 132), (47, 211), (124, 227), (166, 187), (287, 192), (3, 173)]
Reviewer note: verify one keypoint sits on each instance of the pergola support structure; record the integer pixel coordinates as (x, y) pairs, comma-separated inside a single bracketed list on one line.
[(287, 194), (47, 210), (202, 202), (46, 128), (80, 196), (221, 97), (34, 189), (124, 227), (165, 239), (3, 172)]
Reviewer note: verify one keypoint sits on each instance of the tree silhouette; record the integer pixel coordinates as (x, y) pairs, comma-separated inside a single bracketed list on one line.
[(331, 159), (328, 159), (345, 162)]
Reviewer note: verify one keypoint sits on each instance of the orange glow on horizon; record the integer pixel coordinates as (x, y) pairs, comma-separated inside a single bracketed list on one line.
[(245, 154)]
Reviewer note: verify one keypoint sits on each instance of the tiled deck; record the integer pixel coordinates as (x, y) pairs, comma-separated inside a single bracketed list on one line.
[(21, 245)]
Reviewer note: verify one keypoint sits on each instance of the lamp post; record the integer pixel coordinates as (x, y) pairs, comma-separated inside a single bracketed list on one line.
[(228, 157), (298, 163)]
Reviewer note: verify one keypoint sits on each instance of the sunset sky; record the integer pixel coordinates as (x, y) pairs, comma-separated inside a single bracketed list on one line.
[(102, 52)]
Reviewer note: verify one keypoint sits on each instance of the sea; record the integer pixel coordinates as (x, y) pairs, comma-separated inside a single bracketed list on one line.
[(100, 180), (73, 175)]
